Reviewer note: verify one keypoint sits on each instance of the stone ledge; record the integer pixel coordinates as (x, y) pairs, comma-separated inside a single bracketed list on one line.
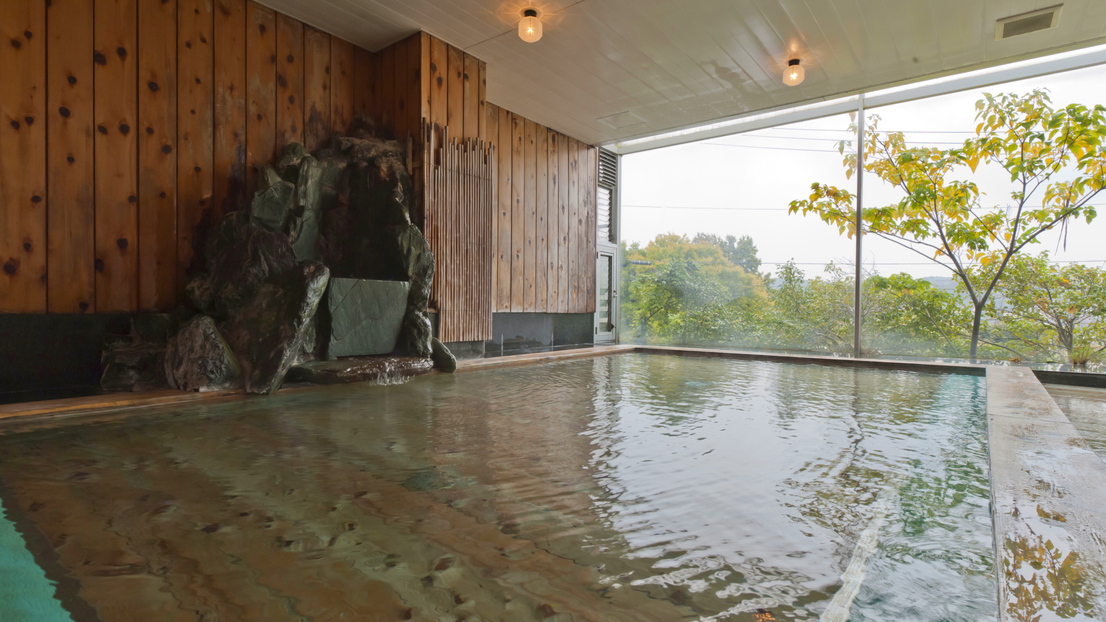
[(1048, 505)]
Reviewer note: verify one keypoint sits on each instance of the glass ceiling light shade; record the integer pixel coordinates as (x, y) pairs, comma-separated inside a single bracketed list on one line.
[(529, 29), (794, 74)]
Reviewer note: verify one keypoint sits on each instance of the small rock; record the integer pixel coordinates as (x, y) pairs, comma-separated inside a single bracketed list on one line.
[(199, 359), (442, 357)]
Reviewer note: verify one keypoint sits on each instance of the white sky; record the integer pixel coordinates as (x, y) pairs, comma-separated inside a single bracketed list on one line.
[(742, 184)]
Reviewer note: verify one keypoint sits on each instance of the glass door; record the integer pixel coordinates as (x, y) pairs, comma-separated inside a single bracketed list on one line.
[(607, 292)]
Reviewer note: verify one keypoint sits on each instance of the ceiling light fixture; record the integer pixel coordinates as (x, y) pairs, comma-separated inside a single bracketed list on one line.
[(794, 74), (529, 29)]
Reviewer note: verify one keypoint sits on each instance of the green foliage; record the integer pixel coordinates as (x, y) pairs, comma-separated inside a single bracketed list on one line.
[(739, 251), (1056, 162), (1050, 312)]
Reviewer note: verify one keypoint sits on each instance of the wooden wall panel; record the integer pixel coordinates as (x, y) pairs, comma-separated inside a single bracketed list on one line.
[(316, 88), (261, 113), (23, 195), (554, 224), (518, 213), (455, 90), (385, 94), (365, 79), (590, 222), (470, 96), (424, 75), (289, 79), (564, 225), (341, 85), (71, 284), (229, 161), (195, 128), (578, 248), (116, 169), (157, 155), (541, 213), (504, 210), (530, 215), (492, 124), (130, 127), (482, 130), (439, 69)]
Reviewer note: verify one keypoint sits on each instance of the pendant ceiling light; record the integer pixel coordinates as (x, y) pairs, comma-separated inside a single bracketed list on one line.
[(794, 73), (529, 29)]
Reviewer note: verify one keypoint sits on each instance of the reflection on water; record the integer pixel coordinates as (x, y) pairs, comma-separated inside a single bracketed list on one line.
[(618, 488)]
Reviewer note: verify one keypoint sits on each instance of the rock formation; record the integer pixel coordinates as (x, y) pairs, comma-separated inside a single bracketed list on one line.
[(342, 212)]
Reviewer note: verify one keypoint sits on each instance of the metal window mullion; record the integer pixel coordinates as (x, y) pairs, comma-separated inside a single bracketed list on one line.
[(860, 136)]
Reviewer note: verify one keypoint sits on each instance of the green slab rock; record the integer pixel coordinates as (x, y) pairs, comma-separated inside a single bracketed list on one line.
[(365, 316)]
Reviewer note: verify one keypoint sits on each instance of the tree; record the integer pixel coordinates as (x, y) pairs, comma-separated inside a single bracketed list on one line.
[(1056, 162), (1054, 311), (740, 251), (682, 290)]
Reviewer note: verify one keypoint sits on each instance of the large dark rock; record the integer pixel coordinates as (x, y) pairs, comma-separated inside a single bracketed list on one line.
[(365, 316), (199, 359), (370, 369), (268, 334), (306, 219), (418, 261), (272, 206), (241, 266)]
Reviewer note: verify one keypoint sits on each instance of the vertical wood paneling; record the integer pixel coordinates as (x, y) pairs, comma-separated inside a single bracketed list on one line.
[(386, 92), (564, 228), (504, 209), (554, 222), (470, 95), (493, 251), (406, 82), (482, 130), (530, 249), (590, 222), (541, 211), (290, 80), (424, 76), (576, 263), (261, 113), (70, 185), (115, 78), (439, 69), (195, 128), (23, 197), (518, 213), (229, 161), (455, 90), (341, 85), (157, 155), (316, 88), (459, 197), (129, 128), (364, 83)]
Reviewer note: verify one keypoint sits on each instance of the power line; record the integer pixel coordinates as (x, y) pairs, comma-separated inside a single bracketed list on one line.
[(831, 140), (808, 129)]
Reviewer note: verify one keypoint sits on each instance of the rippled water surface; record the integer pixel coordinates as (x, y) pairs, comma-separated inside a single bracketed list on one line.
[(629, 487)]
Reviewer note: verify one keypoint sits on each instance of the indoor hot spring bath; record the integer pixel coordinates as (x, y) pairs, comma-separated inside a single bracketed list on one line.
[(630, 487)]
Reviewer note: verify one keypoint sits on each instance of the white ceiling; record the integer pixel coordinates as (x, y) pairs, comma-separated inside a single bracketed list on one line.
[(609, 70)]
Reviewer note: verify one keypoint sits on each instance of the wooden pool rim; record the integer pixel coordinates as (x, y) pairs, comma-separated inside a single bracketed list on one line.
[(1047, 485)]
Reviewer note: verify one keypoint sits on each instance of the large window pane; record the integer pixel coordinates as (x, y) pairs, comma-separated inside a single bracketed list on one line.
[(712, 256)]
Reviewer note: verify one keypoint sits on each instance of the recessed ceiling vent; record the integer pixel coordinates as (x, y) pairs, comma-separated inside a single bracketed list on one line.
[(1027, 22)]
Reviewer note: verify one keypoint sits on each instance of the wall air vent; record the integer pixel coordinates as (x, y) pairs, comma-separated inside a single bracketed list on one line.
[(1027, 22)]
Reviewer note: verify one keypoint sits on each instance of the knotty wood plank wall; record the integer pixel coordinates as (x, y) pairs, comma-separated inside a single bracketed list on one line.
[(128, 125), (543, 228)]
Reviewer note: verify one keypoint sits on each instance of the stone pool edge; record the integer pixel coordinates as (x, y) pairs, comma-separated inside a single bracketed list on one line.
[(1048, 503)]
